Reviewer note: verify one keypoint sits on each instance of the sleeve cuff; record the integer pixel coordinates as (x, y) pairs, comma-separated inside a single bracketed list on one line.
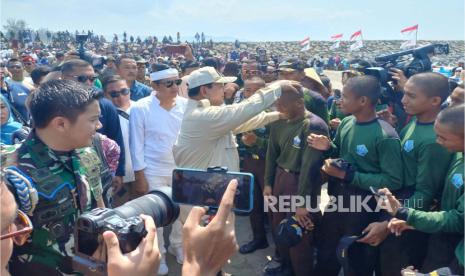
[(402, 213)]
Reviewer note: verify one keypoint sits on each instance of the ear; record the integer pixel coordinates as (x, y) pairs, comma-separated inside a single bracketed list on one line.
[(363, 100), (436, 101), (203, 92), (153, 85), (60, 124)]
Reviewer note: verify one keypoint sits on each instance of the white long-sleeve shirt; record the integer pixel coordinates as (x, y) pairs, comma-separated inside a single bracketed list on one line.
[(153, 132), (207, 136)]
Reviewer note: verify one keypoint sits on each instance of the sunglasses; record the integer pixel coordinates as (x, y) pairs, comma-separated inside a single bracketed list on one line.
[(170, 83), (19, 230), (84, 79), (116, 94), (15, 67)]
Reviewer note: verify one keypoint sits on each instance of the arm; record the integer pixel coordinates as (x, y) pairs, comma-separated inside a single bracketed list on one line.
[(390, 162), (222, 119), (431, 222), (258, 121), (272, 154), (137, 145), (430, 176)]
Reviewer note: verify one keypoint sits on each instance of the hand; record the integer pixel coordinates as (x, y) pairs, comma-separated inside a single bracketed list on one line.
[(303, 218), (333, 171), (391, 204), (377, 233), (334, 123), (230, 90), (319, 142), (249, 139), (283, 116), (188, 52), (117, 184), (143, 261), (400, 78), (387, 116), (397, 226), (267, 191), (206, 249)]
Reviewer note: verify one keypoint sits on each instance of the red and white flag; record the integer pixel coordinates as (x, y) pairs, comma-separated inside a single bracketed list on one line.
[(410, 36), (356, 35), (305, 41), (338, 36), (305, 44), (409, 29)]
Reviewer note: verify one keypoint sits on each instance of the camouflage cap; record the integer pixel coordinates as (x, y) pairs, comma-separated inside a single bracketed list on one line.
[(292, 64)]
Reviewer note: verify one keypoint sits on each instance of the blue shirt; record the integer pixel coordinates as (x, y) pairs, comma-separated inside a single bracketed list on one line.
[(17, 96), (139, 91)]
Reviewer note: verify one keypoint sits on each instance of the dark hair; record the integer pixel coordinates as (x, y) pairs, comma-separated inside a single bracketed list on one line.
[(59, 54), (256, 79), (364, 86), (39, 72), (231, 69), (211, 61), (69, 66), (189, 64), (55, 98), (13, 60), (158, 67), (193, 92), (120, 58), (326, 81), (432, 84), (453, 117), (109, 80)]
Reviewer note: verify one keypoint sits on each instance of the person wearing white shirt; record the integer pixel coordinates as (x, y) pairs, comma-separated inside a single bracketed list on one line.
[(154, 126), (207, 135)]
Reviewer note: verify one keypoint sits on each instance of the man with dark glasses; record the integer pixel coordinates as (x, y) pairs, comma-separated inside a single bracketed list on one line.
[(83, 72), (154, 125)]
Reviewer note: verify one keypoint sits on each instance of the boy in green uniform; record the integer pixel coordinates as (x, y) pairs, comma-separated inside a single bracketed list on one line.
[(372, 148), (294, 69), (425, 165), (445, 247), (56, 157), (293, 168), (252, 152)]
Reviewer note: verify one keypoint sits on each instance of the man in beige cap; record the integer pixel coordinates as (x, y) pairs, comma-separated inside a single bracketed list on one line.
[(206, 138)]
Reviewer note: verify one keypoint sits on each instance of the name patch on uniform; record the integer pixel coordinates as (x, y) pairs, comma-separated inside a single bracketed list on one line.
[(409, 145), (296, 142), (361, 150), (457, 180)]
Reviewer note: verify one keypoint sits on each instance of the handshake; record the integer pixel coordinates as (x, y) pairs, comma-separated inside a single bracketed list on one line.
[(206, 248)]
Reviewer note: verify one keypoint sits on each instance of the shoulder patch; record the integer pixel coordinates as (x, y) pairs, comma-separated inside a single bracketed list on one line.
[(457, 180)]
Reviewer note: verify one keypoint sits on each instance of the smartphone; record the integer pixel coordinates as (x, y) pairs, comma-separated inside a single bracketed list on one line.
[(206, 188), (377, 194), (175, 49)]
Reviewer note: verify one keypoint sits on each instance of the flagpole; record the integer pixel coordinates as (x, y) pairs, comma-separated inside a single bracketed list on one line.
[(416, 37)]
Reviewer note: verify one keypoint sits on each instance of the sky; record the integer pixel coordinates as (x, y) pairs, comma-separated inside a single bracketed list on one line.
[(246, 20)]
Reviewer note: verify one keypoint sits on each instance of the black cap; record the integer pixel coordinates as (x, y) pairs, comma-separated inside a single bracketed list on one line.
[(289, 232)]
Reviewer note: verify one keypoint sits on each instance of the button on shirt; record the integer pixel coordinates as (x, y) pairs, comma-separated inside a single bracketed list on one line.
[(207, 136), (153, 132), (139, 91)]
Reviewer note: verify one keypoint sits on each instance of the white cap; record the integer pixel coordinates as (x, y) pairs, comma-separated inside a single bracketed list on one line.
[(207, 75)]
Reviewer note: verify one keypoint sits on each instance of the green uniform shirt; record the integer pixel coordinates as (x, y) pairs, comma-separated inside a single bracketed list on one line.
[(316, 104), (425, 164), (373, 148), (450, 218), (258, 150), (288, 149)]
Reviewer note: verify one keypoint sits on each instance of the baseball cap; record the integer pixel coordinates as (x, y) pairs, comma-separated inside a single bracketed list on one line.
[(348, 251), (292, 64), (312, 74), (289, 232), (207, 75)]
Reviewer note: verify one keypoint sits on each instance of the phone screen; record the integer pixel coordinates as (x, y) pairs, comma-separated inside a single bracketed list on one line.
[(204, 188)]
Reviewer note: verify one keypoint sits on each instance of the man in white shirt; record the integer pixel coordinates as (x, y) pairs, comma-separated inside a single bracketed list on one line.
[(207, 136), (117, 91), (154, 126)]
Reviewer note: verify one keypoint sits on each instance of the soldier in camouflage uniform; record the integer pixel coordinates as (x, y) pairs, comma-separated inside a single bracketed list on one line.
[(252, 152), (65, 172)]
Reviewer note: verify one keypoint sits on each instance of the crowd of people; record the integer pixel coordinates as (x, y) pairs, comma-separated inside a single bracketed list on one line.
[(80, 132)]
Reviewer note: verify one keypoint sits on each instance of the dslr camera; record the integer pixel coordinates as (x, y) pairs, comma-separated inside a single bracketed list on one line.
[(125, 222)]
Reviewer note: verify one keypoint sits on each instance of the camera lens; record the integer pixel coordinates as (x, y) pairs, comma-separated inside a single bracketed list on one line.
[(157, 204)]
